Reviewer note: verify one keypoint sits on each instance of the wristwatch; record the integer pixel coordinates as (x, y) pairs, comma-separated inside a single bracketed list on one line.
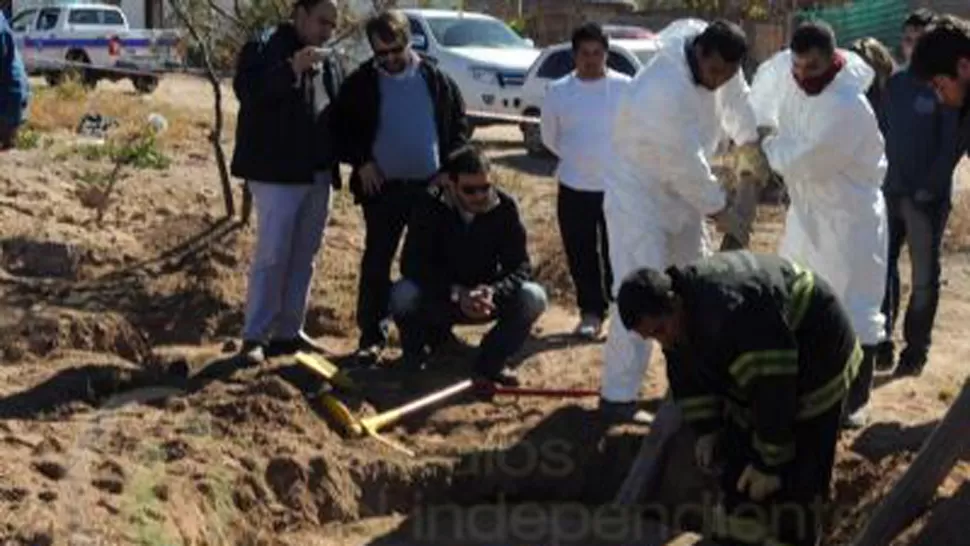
[(455, 295)]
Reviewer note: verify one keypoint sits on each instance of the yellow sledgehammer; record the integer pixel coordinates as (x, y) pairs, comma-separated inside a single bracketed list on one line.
[(370, 426), (326, 369)]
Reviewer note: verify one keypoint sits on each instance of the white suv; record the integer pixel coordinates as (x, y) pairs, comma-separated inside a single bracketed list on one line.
[(484, 56), (556, 61)]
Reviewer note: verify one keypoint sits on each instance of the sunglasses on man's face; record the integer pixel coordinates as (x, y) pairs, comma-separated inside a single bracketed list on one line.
[(476, 189), (385, 53)]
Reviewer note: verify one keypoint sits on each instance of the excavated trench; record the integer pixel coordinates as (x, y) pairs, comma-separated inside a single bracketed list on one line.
[(252, 451)]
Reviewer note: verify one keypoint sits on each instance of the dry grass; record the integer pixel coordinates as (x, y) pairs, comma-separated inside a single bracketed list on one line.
[(59, 109)]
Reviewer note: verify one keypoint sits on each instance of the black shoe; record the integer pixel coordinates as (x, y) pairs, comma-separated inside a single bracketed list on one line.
[(368, 356), (301, 343), (909, 368), (502, 376), (885, 357), (624, 412), (252, 353)]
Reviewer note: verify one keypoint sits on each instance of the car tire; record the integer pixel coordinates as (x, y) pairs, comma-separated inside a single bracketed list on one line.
[(145, 84), (532, 138)]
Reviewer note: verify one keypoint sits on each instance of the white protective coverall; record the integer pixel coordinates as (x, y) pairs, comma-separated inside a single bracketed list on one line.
[(830, 152), (660, 187)]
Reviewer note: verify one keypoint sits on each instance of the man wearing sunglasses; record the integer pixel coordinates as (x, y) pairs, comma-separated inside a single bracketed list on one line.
[(465, 262), (398, 118)]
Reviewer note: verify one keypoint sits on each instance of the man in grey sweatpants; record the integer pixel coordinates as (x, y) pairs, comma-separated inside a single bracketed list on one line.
[(284, 149)]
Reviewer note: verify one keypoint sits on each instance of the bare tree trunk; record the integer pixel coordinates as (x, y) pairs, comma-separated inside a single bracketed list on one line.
[(215, 136), (916, 488)]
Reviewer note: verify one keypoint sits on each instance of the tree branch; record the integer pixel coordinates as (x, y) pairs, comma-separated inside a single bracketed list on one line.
[(215, 136)]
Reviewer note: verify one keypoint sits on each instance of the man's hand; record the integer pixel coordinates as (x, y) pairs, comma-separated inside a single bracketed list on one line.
[(758, 485), (305, 58), (477, 303), (704, 451), (371, 178), (752, 163)]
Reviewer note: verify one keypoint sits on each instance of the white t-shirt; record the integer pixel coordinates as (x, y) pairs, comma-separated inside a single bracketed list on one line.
[(577, 118)]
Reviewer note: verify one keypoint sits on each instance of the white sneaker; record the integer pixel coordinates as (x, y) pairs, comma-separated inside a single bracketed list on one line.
[(590, 327)]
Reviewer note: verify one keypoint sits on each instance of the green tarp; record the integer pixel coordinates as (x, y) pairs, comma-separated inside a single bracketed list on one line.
[(881, 19)]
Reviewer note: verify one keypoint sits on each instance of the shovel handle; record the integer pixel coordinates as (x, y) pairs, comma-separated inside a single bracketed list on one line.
[(550, 393)]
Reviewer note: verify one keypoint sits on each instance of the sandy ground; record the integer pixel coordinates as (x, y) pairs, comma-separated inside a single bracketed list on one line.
[(123, 421)]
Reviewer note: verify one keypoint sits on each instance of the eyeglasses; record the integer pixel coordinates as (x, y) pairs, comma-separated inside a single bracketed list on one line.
[(384, 53), (472, 190)]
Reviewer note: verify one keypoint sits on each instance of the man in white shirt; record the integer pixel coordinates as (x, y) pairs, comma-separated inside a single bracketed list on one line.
[(661, 188), (577, 115)]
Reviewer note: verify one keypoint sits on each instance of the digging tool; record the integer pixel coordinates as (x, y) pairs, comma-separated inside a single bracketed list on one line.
[(491, 389), (381, 420), (642, 478), (326, 369), (342, 414)]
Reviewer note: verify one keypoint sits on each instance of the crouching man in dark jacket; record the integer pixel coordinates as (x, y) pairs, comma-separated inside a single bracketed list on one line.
[(465, 262), (760, 358)]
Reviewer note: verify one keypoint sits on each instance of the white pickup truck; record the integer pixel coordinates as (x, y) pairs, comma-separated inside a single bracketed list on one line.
[(484, 56), (93, 41)]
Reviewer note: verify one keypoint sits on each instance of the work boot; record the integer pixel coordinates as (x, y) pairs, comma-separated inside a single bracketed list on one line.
[(624, 412), (252, 353), (501, 376), (885, 356), (590, 327), (911, 364), (859, 391), (301, 343)]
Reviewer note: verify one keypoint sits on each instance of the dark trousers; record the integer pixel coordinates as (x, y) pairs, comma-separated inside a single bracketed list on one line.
[(385, 217), (582, 225), (794, 514), (424, 319), (920, 226)]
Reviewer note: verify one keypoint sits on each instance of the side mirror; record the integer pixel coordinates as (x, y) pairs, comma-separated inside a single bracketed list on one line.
[(530, 42), (419, 41)]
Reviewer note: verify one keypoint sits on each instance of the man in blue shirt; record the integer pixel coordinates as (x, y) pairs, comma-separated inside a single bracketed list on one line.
[(14, 87), (922, 139)]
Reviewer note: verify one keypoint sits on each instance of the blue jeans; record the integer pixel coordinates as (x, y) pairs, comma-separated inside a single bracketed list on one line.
[(920, 226), (423, 319)]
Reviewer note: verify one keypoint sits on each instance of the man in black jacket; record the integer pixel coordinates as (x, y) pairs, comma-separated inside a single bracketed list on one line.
[(465, 261), (284, 150), (398, 117), (760, 357)]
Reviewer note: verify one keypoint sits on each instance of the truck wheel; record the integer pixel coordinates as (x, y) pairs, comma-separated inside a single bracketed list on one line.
[(532, 138), (86, 77), (145, 84)]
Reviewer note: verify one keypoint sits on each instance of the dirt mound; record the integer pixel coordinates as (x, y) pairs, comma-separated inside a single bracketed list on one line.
[(41, 331)]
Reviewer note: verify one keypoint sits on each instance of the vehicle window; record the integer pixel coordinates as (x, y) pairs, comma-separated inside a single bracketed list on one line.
[(112, 17), (645, 56), (48, 18), (21, 22), (83, 17), (418, 39), (466, 32), (618, 62), (557, 65)]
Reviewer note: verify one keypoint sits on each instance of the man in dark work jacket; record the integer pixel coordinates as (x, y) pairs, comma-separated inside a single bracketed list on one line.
[(465, 261)]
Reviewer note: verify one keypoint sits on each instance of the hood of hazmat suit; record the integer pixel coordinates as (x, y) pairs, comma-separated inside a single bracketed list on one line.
[(666, 132), (830, 152)]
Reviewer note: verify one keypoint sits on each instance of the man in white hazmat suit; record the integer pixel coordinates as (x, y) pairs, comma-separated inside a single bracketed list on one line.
[(828, 149), (660, 188)]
